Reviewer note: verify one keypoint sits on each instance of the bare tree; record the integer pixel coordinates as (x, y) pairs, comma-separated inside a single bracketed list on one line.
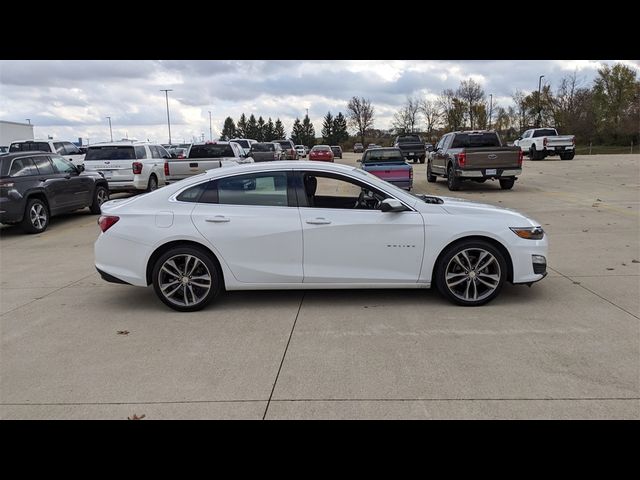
[(407, 118), (519, 98), (432, 114), (452, 109), (472, 94), (360, 113)]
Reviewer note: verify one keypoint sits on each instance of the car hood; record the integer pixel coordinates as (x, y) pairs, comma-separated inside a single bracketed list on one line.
[(459, 206)]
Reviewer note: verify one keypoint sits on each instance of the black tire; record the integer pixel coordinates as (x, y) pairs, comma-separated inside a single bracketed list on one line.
[(208, 267), (533, 154), (153, 183), (567, 156), (496, 267), (431, 178), (36, 216), (422, 159), (453, 182), (507, 183), (100, 196)]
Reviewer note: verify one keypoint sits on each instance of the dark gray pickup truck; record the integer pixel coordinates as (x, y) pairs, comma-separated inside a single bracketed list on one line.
[(474, 155), (412, 147)]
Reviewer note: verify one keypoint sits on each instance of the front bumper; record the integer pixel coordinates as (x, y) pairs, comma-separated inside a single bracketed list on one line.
[(482, 173)]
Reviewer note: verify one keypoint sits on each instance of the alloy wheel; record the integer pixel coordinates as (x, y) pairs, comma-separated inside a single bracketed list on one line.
[(473, 274), (184, 280), (38, 216)]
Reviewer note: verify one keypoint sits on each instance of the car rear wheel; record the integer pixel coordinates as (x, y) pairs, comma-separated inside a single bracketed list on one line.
[(533, 154), (431, 178), (186, 278), (153, 184), (36, 216), (100, 196), (507, 183), (471, 273), (422, 159), (453, 182), (567, 156)]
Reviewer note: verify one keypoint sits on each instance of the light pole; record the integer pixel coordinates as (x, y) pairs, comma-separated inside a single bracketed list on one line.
[(28, 120), (490, 108), (166, 94), (307, 111), (110, 131), (539, 84), (210, 130)]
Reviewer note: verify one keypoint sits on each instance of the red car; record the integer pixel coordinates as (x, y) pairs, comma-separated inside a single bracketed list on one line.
[(322, 153)]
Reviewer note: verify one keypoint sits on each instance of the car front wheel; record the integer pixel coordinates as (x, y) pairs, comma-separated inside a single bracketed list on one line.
[(471, 273), (186, 278)]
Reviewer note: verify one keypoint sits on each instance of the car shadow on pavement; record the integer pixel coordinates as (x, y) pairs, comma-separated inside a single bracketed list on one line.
[(58, 222)]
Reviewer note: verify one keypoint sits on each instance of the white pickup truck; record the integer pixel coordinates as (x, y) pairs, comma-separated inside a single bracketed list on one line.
[(67, 149), (539, 143), (205, 156)]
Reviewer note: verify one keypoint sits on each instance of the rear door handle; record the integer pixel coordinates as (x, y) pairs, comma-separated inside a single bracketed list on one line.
[(319, 221), (218, 219)]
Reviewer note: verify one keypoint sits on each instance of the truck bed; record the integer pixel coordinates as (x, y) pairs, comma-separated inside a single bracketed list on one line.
[(184, 168)]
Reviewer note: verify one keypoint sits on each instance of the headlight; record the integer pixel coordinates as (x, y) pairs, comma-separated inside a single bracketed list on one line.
[(530, 233)]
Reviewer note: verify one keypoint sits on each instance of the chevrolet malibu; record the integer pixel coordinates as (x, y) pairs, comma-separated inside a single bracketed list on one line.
[(311, 225)]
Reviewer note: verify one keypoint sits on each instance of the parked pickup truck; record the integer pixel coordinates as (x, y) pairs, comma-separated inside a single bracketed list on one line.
[(474, 155), (67, 149), (205, 156), (388, 164), (539, 143), (412, 147)]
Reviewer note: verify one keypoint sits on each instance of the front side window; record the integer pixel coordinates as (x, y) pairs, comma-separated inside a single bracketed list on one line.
[(268, 189), (63, 165), (323, 190), (22, 167), (59, 146)]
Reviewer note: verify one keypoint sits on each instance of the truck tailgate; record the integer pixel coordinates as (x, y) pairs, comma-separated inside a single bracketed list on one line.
[(389, 171), (503, 157), (179, 169), (560, 141)]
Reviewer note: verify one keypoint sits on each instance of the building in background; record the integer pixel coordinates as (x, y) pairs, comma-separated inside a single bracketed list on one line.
[(10, 131)]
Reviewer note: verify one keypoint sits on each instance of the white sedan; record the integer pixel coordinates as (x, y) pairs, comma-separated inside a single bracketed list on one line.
[(311, 225)]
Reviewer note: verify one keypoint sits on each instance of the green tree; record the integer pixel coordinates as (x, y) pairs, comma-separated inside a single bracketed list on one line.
[(615, 98), (241, 127), (279, 132), (297, 132), (260, 136), (269, 131), (327, 129), (340, 132), (308, 133), (252, 128), (228, 130), (471, 94)]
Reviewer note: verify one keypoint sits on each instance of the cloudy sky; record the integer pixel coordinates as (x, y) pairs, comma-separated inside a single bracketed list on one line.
[(71, 99)]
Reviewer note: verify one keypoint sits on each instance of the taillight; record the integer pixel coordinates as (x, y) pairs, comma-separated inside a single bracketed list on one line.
[(462, 158), (520, 157), (411, 174), (166, 168), (544, 142), (6, 184), (573, 141), (181, 156), (107, 221), (137, 168)]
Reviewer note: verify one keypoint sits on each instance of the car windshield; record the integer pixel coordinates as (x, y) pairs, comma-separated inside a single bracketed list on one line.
[(242, 143), (211, 150), (110, 153), (381, 155), (475, 140), (263, 147), (285, 144)]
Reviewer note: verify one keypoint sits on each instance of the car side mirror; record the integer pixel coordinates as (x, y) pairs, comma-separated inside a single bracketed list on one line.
[(519, 138), (80, 168), (359, 160), (392, 205)]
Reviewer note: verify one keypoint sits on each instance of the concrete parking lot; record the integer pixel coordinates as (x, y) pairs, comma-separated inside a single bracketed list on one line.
[(568, 347)]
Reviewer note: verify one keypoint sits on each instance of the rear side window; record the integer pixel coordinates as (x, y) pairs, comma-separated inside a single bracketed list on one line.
[(30, 146), (43, 165), (141, 152), (211, 150), (59, 146), (267, 189), (114, 152), (70, 149), (192, 194), (22, 167)]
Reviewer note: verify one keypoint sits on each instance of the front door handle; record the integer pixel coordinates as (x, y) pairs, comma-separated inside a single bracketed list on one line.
[(319, 221), (218, 219)]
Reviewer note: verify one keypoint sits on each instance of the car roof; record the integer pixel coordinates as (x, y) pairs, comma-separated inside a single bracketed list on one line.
[(124, 144), (26, 153)]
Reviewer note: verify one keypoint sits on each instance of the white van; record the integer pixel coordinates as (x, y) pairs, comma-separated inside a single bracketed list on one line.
[(128, 165)]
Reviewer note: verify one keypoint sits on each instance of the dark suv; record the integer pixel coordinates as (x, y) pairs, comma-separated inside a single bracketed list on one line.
[(35, 186)]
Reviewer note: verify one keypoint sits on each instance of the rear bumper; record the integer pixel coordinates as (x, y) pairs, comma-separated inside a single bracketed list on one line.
[(414, 154), (482, 173), (552, 150), (11, 210), (127, 185)]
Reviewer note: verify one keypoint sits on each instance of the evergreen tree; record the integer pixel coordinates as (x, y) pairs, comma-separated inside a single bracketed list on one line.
[(340, 133), (241, 127), (228, 130), (269, 131), (252, 128), (327, 129), (308, 133), (279, 132), (260, 136), (297, 132)]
